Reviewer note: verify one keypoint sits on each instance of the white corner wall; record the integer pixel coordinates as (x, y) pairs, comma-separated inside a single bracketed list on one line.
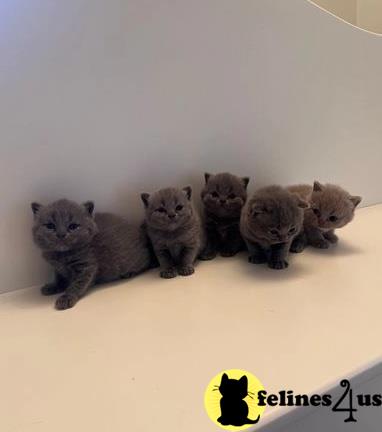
[(102, 100)]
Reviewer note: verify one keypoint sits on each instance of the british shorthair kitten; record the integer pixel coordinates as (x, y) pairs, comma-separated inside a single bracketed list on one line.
[(223, 198), (330, 208), (86, 250), (174, 229), (269, 222)]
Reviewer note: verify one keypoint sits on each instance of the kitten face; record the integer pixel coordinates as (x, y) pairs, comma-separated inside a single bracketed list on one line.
[(224, 194), (168, 209), (275, 214), (63, 225), (332, 206), (234, 388)]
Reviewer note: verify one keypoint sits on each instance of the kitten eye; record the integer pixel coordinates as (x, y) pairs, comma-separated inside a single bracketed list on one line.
[(292, 230), (273, 231), (215, 194), (50, 226), (333, 218), (161, 210), (179, 207), (231, 196), (316, 212), (73, 226)]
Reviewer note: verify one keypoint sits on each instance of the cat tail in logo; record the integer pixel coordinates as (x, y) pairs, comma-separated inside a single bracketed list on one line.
[(253, 421), (246, 421)]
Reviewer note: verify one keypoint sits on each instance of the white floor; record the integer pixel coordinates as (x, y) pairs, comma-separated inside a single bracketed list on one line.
[(137, 356)]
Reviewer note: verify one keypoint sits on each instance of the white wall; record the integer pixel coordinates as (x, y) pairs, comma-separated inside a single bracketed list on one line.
[(102, 100)]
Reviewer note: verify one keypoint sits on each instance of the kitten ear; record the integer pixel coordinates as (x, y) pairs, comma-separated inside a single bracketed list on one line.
[(244, 381), (300, 202), (35, 207), (188, 191), (317, 186), (355, 200), (145, 199), (207, 176), (89, 207), (245, 180)]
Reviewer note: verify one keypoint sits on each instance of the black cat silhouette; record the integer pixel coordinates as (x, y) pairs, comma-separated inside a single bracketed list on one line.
[(234, 410)]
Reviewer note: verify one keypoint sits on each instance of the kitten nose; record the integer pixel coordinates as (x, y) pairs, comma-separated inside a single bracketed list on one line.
[(222, 201), (171, 215), (61, 235)]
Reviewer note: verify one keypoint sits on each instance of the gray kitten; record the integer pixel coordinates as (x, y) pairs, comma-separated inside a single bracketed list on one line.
[(269, 222), (84, 250), (331, 207), (223, 197), (174, 229)]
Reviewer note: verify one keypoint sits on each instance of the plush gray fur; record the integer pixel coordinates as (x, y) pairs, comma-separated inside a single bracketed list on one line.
[(86, 250), (223, 198), (269, 222), (174, 229), (330, 208)]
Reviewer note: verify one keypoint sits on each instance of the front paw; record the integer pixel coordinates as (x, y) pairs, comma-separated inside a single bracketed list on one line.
[(66, 301), (51, 289), (168, 273), (332, 238), (228, 253), (129, 275), (278, 264), (207, 255), (320, 244), (186, 270), (257, 259), (298, 246)]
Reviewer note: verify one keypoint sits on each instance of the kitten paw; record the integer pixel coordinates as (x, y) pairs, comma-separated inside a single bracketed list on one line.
[(278, 264), (297, 246), (51, 289), (320, 244), (168, 273), (186, 270), (207, 255), (66, 301), (228, 253), (129, 275), (257, 259), (332, 238)]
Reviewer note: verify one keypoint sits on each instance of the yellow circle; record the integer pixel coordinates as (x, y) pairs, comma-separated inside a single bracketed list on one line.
[(230, 400)]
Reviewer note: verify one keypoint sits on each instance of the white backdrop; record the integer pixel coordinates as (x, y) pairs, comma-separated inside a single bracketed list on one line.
[(105, 99)]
